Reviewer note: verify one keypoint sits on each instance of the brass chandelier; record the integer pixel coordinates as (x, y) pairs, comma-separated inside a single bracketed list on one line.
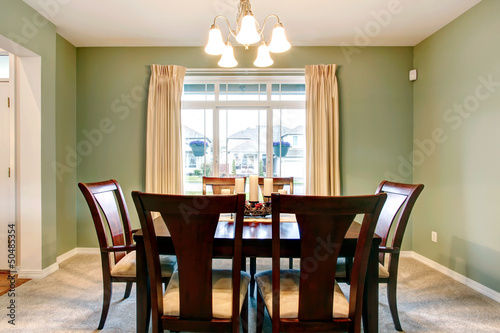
[(247, 32)]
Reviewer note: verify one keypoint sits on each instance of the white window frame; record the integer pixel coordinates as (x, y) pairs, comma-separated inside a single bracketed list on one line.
[(268, 77)]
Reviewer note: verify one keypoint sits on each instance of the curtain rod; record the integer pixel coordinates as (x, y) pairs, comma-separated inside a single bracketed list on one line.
[(245, 71)]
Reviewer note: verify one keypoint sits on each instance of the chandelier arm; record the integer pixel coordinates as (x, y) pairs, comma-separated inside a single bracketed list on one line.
[(259, 30), (231, 31), (265, 21)]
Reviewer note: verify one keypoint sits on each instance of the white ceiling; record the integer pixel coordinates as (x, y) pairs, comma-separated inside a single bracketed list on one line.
[(307, 23)]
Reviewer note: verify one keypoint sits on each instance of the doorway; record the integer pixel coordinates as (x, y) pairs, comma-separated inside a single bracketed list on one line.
[(25, 119), (7, 202)]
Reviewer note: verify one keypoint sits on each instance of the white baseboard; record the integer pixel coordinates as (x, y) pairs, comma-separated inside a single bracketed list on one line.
[(40, 274), (494, 295), (66, 256), (407, 254), (87, 250)]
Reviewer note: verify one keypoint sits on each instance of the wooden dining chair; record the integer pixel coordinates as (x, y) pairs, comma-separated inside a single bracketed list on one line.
[(278, 184), (309, 299), (392, 222), (198, 298), (114, 233), (219, 183)]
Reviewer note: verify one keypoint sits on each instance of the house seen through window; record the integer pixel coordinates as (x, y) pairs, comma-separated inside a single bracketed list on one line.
[(240, 126)]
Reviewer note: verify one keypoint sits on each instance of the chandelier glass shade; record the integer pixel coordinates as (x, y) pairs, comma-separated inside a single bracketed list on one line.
[(263, 56), (227, 59), (247, 32)]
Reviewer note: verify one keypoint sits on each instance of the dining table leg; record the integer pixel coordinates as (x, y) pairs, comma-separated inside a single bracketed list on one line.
[(253, 270), (143, 297), (370, 295)]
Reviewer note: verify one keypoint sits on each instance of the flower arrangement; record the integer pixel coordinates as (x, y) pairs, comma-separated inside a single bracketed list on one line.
[(283, 144), (280, 148), (198, 143), (257, 209)]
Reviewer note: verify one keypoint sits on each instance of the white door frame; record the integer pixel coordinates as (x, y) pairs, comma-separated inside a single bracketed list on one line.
[(26, 102), (7, 175)]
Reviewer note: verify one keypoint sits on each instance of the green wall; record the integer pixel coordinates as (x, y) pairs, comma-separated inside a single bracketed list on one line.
[(22, 24), (452, 97), (440, 130), (375, 104), (65, 141)]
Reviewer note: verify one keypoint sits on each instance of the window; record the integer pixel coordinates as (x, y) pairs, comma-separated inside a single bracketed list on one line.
[(198, 92), (4, 66), (232, 124)]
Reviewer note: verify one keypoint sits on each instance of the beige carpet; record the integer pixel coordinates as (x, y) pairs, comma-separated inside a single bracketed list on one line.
[(69, 300)]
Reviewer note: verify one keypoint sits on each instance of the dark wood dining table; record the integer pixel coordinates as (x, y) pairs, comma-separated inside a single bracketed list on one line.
[(257, 243)]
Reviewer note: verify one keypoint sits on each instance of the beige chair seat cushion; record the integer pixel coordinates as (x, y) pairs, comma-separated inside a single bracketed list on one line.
[(383, 272), (221, 294), (126, 267), (289, 294)]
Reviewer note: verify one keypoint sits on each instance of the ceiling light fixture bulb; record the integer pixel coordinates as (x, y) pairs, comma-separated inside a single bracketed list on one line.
[(227, 59), (263, 56), (215, 45), (279, 42), (248, 32)]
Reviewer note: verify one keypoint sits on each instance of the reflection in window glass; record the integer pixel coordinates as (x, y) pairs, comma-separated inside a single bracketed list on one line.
[(4, 66), (242, 92)]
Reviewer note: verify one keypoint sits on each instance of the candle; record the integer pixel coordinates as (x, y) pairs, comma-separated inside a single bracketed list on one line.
[(283, 191), (254, 188), (268, 186), (225, 191), (239, 185)]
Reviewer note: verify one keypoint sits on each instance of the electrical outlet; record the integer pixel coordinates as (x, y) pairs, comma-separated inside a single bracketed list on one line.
[(413, 75), (434, 236)]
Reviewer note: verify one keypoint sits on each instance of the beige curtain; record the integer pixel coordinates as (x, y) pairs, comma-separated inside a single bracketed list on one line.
[(322, 131), (164, 130)]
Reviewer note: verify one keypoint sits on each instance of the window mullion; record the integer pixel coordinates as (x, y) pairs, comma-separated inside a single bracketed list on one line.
[(216, 92), (226, 144), (216, 143), (269, 143)]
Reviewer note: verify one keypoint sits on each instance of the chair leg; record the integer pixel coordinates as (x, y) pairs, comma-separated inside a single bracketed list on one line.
[(107, 291), (148, 306), (253, 270), (290, 263), (244, 315), (128, 289), (391, 298), (260, 313)]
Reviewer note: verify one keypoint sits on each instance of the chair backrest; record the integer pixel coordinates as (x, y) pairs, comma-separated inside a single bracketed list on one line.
[(219, 183), (109, 213), (323, 223), (278, 184), (192, 222), (396, 211)]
